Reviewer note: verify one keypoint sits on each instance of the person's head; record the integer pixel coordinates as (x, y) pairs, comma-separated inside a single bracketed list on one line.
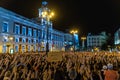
[(104, 67), (110, 66), (7, 74)]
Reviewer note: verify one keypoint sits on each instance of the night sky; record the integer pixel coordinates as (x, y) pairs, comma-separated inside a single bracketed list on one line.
[(86, 15)]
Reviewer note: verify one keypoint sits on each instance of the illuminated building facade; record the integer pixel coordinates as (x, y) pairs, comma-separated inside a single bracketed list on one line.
[(20, 34), (76, 42), (68, 41), (71, 42), (117, 39), (57, 40), (25, 33), (96, 40)]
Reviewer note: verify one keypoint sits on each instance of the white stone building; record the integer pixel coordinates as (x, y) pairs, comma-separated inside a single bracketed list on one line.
[(96, 40), (20, 34)]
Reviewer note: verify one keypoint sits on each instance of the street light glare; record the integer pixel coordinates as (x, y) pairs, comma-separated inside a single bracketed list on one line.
[(47, 15), (71, 31), (44, 14), (74, 31), (11, 38), (52, 14), (83, 38)]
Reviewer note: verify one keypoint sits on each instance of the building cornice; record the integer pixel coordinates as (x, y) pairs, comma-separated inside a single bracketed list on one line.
[(18, 18)]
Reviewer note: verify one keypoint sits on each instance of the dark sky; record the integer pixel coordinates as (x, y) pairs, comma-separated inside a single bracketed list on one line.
[(86, 15)]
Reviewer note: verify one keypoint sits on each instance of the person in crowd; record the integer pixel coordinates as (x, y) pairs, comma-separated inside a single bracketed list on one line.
[(76, 66), (72, 73), (111, 74), (7, 75), (102, 76)]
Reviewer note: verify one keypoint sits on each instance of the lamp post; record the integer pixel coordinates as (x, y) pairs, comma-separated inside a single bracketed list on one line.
[(73, 32), (83, 42), (47, 15)]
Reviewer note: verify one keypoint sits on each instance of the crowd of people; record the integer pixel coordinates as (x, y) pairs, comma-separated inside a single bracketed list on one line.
[(73, 66)]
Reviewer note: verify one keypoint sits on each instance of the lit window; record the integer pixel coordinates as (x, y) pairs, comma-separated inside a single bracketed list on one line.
[(5, 27), (23, 48), (34, 41), (39, 36), (4, 40), (34, 48), (17, 40), (16, 48), (4, 49), (28, 48), (29, 32), (17, 29), (23, 40), (29, 41), (34, 33), (24, 30)]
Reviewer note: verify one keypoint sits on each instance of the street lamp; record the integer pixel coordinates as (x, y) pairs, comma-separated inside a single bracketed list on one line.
[(73, 32), (47, 15), (83, 42)]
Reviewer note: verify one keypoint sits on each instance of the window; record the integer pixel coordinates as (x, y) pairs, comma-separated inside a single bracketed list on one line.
[(16, 48), (23, 40), (34, 41), (89, 38), (4, 40), (23, 30), (17, 29), (28, 48), (17, 40), (39, 34), (4, 49), (34, 33), (29, 32), (29, 41), (34, 48), (23, 48), (5, 27)]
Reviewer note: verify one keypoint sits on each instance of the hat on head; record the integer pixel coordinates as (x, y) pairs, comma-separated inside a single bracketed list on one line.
[(110, 66), (104, 67)]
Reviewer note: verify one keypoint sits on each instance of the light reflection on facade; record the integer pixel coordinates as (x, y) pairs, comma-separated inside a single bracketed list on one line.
[(117, 40), (96, 41), (28, 35), (117, 37)]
